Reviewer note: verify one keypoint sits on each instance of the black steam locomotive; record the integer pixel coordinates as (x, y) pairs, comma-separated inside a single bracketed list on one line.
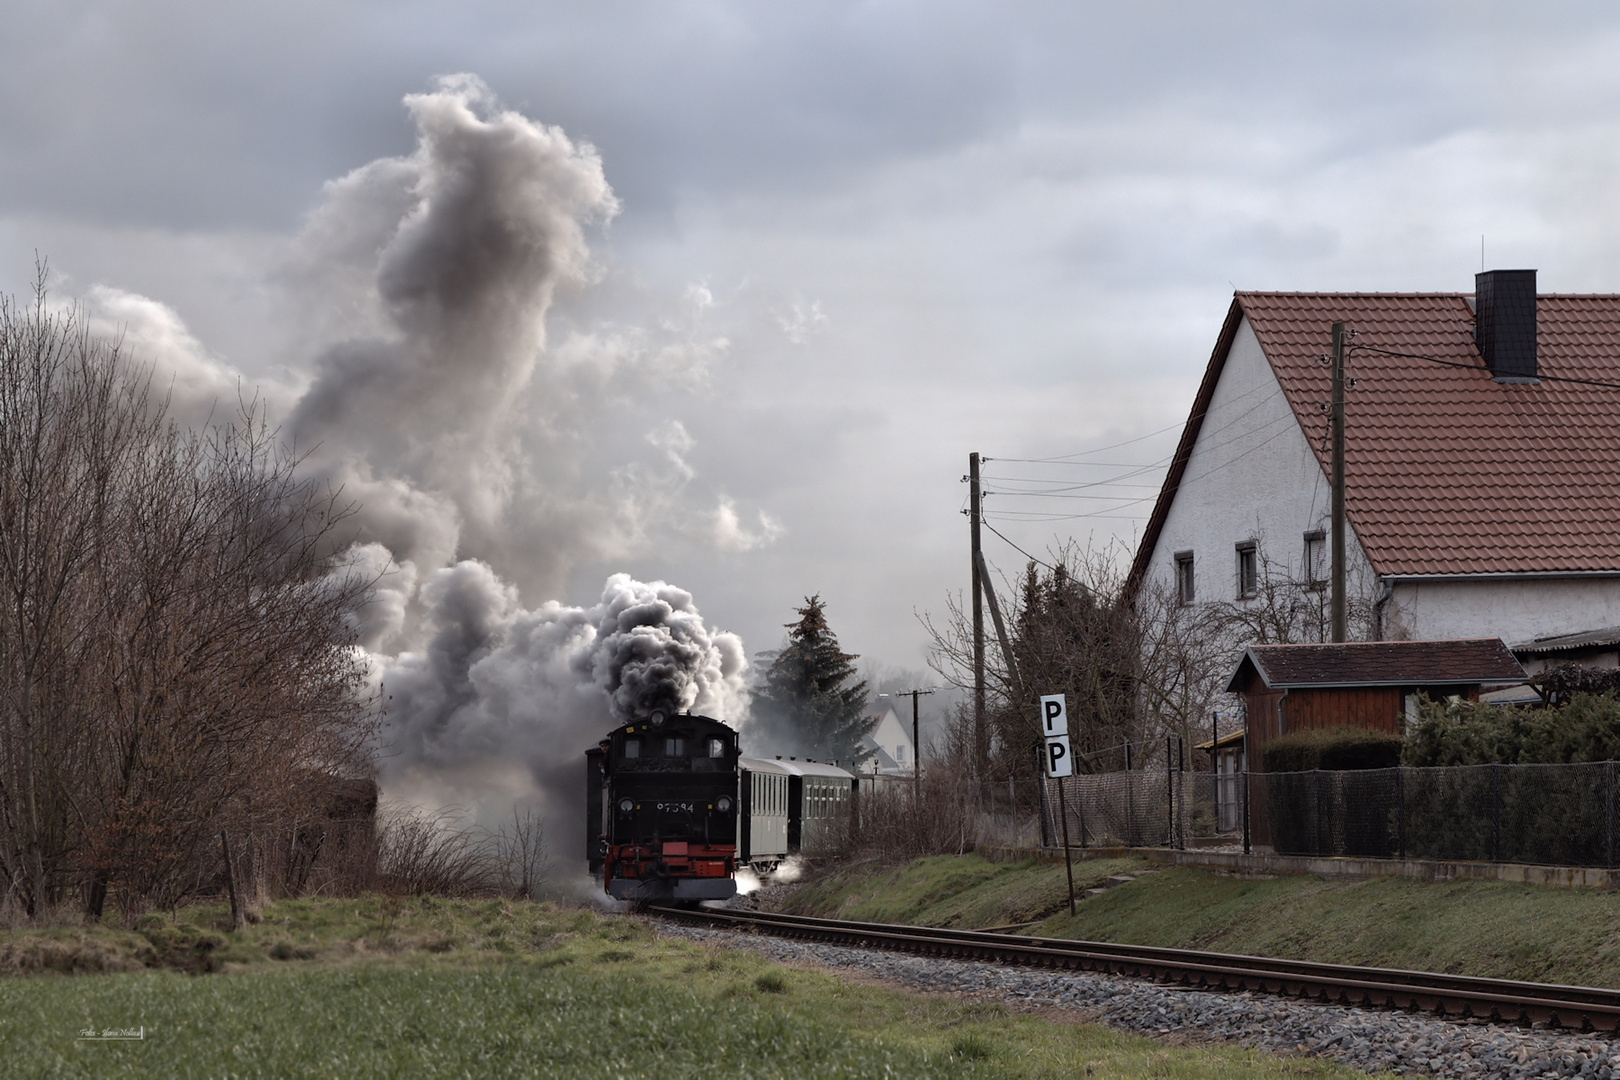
[(672, 809)]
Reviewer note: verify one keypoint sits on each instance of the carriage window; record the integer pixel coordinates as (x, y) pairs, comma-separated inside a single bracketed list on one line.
[(717, 748), (632, 748), (674, 746)]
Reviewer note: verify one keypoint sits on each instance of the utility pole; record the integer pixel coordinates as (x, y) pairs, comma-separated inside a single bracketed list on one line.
[(916, 740), (1341, 619), (1001, 629), (981, 739)]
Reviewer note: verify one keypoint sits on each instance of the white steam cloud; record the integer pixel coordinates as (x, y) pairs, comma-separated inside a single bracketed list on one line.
[(484, 461), (447, 262)]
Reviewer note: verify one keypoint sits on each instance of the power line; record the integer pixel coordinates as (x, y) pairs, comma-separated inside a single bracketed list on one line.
[(1067, 459), (1016, 548), (1476, 367)]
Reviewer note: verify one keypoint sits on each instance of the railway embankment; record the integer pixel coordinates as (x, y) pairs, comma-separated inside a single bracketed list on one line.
[(1489, 928)]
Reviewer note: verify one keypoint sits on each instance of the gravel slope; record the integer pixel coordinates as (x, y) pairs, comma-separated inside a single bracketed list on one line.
[(1373, 1040)]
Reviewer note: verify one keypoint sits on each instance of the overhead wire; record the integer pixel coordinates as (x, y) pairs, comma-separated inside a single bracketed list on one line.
[(1015, 547), (1476, 367)]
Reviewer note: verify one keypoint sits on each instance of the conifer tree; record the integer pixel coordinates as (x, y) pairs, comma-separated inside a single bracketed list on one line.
[(811, 702)]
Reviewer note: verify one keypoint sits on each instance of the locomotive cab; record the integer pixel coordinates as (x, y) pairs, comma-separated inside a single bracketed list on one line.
[(661, 820)]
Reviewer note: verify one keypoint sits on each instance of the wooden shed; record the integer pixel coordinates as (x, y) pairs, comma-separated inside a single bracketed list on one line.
[(1370, 684)]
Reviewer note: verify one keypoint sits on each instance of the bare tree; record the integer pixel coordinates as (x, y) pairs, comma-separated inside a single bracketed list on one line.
[(175, 657), (1071, 633)]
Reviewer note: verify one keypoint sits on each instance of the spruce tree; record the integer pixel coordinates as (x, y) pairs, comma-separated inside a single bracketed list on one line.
[(810, 701)]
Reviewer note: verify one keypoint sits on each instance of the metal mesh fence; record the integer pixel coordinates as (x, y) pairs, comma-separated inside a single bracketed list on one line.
[(1561, 815), (1143, 808)]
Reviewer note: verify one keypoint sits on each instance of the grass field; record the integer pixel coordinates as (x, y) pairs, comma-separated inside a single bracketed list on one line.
[(384, 987), (966, 891), (1475, 927)]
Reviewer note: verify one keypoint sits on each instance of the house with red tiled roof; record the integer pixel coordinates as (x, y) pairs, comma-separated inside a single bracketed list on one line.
[(1482, 496)]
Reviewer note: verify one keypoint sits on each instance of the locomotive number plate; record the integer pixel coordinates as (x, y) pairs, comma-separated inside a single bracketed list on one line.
[(676, 807)]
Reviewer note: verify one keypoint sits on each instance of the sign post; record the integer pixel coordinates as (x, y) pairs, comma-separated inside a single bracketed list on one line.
[(1055, 727)]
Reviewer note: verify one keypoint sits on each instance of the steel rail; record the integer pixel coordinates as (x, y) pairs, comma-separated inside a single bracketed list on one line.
[(1580, 1008)]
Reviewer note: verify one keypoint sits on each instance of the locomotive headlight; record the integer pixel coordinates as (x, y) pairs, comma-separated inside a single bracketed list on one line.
[(657, 717), (723, 803), (626, 805)]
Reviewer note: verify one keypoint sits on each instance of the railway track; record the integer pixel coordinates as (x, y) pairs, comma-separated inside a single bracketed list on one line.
[(1578, 1008)]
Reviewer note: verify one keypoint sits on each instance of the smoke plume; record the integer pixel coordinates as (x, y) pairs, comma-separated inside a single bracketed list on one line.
[(505, 693), (485, 460)]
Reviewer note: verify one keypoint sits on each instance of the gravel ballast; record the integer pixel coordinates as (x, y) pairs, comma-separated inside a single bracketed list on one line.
[(1369, 1039)]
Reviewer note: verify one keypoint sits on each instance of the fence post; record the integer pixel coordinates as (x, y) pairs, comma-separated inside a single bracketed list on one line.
[(1013, 810), (1130, 800), (1400, 808), (1080, 804), (1169, 794), (1040, 791), (1496, 812), (1608, 810), (1316, 810), (1245, 775)]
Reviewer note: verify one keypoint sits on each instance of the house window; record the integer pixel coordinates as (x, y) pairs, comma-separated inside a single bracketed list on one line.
[(1315, 558), (1248, 569), (1184, 577)]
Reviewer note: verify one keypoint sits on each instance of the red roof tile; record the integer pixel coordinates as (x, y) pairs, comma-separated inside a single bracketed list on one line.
[(1446, 470)]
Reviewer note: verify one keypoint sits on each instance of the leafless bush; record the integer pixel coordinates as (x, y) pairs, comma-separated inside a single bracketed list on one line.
[(440, 853), (894, 819), (422, 852), (521, 855)]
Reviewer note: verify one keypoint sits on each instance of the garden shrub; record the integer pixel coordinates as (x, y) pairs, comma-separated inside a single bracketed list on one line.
[(1332, 748), (1471, 733)]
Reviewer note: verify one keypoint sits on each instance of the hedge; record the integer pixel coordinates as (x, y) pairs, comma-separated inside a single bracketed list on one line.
[(1587, 728), (1336, 748)]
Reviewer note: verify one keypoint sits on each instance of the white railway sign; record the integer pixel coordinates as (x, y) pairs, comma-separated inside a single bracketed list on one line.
[(1055, 726)]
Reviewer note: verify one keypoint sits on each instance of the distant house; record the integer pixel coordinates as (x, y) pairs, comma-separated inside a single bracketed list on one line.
[(1482, 472), (890, 743), (1370, 684)]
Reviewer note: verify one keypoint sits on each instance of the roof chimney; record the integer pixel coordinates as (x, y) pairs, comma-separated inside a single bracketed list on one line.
[(1505, 323)]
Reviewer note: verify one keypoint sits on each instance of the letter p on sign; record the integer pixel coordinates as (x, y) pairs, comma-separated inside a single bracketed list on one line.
[(1057, 758), (1055, 725), (1054, 715)]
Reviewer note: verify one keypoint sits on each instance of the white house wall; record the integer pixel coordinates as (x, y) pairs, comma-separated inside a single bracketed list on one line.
[(1514, 610), (1251, 477)]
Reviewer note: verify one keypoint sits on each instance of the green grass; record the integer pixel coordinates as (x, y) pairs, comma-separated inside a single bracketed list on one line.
[(383, 988), (1475, 927), (965, 891), (1471, 927)]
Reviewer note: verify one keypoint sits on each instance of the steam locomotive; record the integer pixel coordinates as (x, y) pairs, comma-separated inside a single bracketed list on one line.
[(673, 809)]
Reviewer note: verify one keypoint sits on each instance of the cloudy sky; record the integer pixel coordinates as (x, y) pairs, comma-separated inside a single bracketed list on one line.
[(845, 244)]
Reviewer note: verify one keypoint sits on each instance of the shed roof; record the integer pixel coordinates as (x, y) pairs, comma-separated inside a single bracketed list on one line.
[(1461, 662), (1557, 643), (1447, 471)]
